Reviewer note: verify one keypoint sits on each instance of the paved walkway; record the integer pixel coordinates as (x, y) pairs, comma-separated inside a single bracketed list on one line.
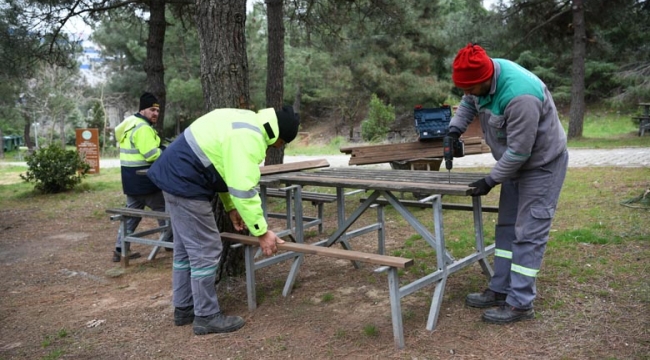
[(622, 157)]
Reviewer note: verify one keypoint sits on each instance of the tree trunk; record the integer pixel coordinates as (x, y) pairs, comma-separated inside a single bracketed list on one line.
[(52, 130), (275, 69), (297, 99), (2, 145), (62, 130), (153, 64), (105, 125), (224, 78), (26, 135), (224, 65), (577, 110)]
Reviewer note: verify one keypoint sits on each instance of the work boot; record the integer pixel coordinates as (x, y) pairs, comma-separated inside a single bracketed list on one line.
[(485, 299), (217, 323), (117, 255), (171, 240), (184, 315), (506, 314)]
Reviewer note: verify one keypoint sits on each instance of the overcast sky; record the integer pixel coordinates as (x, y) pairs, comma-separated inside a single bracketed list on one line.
[(486, 4), (80, 30)]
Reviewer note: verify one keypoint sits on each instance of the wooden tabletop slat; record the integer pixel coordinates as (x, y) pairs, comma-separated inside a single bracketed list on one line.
[(294, 166), (449, 189), (443, 177)]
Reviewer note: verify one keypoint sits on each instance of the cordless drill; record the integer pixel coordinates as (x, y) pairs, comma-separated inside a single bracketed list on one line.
[(452, 147)]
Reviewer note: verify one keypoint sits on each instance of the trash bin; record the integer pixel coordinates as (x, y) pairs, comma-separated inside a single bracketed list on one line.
[(8, 142)]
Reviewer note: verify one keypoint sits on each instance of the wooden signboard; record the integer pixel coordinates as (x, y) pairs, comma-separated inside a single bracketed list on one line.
[(88, 148)]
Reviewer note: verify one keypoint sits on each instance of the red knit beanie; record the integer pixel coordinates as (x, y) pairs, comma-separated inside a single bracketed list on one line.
[(471, 66)]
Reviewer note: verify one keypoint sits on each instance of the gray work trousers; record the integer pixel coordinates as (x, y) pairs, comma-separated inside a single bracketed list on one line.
[(197, 250), (155, 201), (527, 206)]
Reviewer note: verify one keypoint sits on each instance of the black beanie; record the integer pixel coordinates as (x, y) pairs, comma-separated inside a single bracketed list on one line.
[(288, 123), (147, 100)]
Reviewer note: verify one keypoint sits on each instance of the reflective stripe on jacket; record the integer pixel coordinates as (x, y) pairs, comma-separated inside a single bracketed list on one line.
[(139, 147)]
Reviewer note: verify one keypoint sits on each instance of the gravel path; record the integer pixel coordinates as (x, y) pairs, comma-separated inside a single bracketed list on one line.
[(621, 157)]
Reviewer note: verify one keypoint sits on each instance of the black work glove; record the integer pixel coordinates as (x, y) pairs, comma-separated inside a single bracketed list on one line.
[(481, 187), (454, 134)]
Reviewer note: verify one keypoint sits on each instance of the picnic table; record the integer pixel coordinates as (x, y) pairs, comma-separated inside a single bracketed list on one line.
[(385, 183), (644, 119)]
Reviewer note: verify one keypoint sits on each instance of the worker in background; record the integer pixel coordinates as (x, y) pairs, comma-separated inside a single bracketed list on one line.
[(219, 154), (521, 125), (139, 148)]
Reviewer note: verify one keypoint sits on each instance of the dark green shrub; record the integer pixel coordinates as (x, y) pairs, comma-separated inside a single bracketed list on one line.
[(55, 170)]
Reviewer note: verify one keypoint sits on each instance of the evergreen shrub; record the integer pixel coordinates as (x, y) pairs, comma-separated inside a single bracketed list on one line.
[(54, 169), (380, 117)]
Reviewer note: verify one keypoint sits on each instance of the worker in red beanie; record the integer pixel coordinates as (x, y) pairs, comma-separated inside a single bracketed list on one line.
[(521, 125)]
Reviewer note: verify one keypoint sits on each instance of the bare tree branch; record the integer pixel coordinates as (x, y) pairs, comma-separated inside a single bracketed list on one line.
[(533, 30)]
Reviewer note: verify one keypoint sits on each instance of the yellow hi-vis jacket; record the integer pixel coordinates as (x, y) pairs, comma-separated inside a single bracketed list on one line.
[(220, 153), (139, 147)]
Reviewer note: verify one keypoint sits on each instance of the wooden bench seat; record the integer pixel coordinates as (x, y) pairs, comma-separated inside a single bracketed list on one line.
[(296, 251), (314, 197), (122, 214), (138, 213), (426, 205)]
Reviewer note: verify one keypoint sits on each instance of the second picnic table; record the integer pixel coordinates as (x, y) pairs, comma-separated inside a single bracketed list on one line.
[(644, 119), (384, 183)]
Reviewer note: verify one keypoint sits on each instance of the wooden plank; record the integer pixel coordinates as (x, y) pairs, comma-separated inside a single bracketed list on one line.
[(407, 146), (281, 168), (374, 154), (377, 158), (376, 259), (294, 166), (138, 213), (413, 152)]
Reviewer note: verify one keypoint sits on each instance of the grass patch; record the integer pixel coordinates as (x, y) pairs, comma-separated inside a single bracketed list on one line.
[(340, 334), (49, 340), (304, 148), (370, 330), (586, 236), (589, 218), (605, 129)]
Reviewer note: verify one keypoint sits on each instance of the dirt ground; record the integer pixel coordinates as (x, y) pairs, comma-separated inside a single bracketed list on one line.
[(62, 297)]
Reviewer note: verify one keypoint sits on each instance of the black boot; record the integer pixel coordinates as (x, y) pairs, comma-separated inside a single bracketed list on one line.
[(117, 255), (506, 314), (184, 315), (217, 323), (485, 299)]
